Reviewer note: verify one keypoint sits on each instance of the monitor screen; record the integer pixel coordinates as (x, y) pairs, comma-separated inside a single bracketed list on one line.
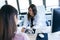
[(56, 20)]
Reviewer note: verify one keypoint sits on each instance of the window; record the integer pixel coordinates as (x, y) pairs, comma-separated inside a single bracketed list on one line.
[(37, 2), (24, 4), (2, 2), (13, 3), (51, 4)]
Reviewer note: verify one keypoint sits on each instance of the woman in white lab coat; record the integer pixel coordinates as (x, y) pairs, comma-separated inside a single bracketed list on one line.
[(35, 19)]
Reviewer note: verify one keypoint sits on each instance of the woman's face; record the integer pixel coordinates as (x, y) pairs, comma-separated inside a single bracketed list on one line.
[(30, 12), (16, 19)]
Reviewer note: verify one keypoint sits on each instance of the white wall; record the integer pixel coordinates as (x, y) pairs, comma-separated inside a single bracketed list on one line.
[(2, 2)]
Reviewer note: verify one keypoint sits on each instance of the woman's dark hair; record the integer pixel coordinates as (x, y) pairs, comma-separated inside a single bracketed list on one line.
[(7, 22), (33, 7)]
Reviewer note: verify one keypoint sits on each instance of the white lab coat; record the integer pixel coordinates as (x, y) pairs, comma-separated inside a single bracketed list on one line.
[(39, 19)]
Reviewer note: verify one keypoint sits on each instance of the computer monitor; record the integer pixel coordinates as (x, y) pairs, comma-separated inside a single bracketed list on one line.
[(56, 20)]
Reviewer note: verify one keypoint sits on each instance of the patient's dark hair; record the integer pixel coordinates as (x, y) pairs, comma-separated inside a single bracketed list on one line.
[(34, 9), (7, 22)]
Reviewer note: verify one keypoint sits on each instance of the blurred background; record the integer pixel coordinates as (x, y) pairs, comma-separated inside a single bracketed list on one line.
[(22, 7)]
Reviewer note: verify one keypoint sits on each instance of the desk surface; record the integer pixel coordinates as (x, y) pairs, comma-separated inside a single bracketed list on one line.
[(51, 36)]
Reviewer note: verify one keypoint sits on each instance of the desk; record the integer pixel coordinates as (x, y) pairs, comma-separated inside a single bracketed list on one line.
[(33, 36), (54, 36), (51, 36)]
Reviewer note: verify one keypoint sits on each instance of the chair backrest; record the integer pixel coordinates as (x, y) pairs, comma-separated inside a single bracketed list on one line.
[(41, 10)]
